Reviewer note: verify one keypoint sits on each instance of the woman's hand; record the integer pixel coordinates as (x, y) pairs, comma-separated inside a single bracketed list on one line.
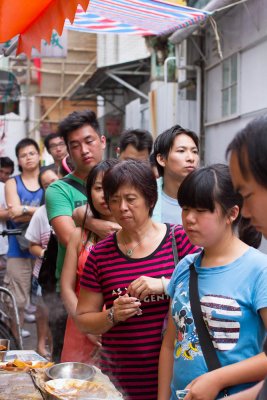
[(126, 307), (144, 286), (205, 387)]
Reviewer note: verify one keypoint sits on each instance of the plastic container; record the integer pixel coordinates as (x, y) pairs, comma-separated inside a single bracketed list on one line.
[(181, 393), (6, 344)]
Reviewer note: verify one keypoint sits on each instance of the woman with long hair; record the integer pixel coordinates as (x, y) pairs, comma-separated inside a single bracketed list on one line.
[(78, 346)]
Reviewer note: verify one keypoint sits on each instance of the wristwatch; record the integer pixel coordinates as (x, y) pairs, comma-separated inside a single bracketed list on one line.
[(25, 209)]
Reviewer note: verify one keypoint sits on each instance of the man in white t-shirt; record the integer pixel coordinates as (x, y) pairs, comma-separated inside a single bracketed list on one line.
[(176, 153)]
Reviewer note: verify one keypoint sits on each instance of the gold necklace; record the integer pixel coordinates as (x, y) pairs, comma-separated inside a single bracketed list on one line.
[(129, 252)]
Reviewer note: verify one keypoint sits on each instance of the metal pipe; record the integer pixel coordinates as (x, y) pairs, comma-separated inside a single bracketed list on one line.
[(127, 85), (188, 68), (165, 67), (199, 87), (16, 315), (11, 48)]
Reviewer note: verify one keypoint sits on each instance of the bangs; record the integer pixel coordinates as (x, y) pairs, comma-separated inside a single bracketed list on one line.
[(137, 174), (118, 180), (198, 190)]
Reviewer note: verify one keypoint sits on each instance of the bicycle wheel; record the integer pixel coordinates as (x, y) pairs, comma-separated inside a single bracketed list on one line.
[(5, 333)]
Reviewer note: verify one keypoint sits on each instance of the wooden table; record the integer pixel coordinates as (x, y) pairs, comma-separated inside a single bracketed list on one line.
[(18, 386)]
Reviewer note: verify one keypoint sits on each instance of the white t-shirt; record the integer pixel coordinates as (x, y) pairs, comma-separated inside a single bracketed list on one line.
[(3, 240), (171, 212), (39, 232)]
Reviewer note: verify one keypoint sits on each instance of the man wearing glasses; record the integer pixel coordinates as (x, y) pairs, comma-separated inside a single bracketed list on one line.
[(23, 197), (55, 145)]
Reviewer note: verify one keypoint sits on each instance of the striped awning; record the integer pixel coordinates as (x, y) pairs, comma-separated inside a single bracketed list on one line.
[(143, 17), (32, 20)]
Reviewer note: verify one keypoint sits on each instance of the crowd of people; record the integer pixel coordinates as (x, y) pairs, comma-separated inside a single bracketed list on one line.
[(157, 272)]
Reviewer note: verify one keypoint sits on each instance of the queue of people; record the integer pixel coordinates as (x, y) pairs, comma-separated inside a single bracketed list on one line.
[(152, 267)]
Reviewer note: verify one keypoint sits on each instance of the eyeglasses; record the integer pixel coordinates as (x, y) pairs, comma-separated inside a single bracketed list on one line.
[(30, 154), (55, 145)]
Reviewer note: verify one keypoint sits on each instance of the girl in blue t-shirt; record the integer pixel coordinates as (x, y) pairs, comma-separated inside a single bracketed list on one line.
[(232, 281)]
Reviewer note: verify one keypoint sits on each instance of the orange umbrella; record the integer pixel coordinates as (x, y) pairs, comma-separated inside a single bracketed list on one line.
[(34, 20)]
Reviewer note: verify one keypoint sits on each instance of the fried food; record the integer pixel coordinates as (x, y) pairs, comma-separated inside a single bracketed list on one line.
[(42, 364), (21, 364), (24, 366), (2, 347), (78, 389)]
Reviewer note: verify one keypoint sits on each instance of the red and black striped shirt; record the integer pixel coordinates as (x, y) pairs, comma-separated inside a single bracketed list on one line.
[(130, 350)]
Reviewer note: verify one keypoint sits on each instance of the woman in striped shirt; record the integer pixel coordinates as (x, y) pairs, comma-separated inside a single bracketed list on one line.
[(125, 264)]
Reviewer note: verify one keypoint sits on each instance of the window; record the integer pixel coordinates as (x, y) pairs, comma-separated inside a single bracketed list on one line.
[(229, 86)]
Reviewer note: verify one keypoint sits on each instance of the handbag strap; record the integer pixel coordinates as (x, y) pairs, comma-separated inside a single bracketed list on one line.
[(206, 344), (77, 185), (205, 340), (174, 246)]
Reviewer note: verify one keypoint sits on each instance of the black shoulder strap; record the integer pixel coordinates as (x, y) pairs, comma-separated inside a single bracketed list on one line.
[(205, 340), (174, 246), (75, 184)]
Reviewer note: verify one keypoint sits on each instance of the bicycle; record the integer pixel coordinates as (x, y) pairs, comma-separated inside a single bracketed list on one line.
[(16, 342)]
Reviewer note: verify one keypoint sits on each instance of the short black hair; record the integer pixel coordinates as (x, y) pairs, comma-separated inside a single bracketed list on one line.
[(138, 138), (101, 167), (209, 185), (24, 143), (165, 140), (76, 120), (135, 173), (49, 137), (6, 162), (250, 147), (213, 184), (51, 167), (248, 233), (152, 160)]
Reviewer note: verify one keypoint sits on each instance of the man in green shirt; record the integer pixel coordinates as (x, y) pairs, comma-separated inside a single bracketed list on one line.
[(86, 145)]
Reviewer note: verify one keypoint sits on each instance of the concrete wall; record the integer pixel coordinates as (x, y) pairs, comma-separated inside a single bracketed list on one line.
[(242, 31), (14, 128), (115, 49)]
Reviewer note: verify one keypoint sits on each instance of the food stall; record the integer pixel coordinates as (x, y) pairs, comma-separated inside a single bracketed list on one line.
[(25, 375)]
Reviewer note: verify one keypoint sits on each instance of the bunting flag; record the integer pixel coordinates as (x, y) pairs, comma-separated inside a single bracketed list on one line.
[(33, 20), (143, 17)]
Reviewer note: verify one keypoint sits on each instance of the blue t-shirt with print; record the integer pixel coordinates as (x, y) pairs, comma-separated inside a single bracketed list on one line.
[(230, 296)]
